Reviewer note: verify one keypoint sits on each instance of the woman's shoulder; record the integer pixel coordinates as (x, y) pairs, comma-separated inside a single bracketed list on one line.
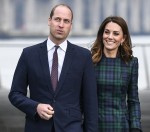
[(134, 60)]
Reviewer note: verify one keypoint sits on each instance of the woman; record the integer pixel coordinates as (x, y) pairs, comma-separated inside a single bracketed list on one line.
[(117, 78)]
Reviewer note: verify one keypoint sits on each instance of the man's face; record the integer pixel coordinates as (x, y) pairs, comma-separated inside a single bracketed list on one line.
[(60, 24)]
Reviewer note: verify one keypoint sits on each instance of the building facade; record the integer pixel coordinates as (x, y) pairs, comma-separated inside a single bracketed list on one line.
[(29, 17)]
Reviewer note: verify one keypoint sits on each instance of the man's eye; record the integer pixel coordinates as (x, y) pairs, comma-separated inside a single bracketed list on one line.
[(57, 19), (67, 21)]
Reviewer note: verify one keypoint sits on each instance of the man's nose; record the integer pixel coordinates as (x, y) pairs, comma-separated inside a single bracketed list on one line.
[(61, 24)]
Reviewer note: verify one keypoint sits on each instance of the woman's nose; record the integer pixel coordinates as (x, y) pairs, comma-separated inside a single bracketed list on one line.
[(110, 35)]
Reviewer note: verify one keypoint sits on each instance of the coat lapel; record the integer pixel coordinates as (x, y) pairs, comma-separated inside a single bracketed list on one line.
[(67, 62), (45, 65)]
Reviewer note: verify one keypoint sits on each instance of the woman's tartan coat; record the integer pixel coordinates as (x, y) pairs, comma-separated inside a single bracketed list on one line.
[(119, 106)]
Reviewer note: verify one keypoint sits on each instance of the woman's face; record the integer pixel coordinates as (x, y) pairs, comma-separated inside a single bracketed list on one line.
[(112, 37)]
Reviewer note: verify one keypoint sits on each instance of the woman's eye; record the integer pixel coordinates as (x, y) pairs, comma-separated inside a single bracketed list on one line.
[(106, 32), (116, 34)]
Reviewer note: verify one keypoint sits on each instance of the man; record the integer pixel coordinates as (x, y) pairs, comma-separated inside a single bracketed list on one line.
[(56, 106)]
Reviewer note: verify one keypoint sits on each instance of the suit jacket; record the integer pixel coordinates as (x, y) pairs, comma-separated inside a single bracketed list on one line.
[(75, 99), (118, 101)]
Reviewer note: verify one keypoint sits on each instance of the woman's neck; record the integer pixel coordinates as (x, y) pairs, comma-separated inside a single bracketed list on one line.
[(110, 54)]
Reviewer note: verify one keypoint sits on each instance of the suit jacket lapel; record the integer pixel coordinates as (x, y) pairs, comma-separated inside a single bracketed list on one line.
[(45, 65), (67, 62)]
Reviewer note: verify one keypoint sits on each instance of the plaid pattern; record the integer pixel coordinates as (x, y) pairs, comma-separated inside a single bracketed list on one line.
[(119, 108)]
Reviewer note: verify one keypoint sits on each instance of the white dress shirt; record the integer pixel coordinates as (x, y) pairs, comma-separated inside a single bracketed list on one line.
[(61, 54)]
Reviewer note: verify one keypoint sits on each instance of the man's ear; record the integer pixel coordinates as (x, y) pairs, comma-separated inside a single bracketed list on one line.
[(49, 21)]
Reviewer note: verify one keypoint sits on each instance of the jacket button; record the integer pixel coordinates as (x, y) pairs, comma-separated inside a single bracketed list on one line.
[(54, 100)]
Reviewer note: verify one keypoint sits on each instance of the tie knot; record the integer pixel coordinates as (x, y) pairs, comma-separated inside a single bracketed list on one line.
[(56, 47)]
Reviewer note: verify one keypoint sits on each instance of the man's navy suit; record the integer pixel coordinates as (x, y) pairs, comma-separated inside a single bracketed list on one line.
[(75, 98)]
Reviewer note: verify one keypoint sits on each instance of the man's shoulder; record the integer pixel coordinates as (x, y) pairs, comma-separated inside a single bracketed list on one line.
[(36, 46), (79, 48)]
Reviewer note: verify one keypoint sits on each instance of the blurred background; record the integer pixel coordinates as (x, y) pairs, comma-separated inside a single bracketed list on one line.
[(24, 23)]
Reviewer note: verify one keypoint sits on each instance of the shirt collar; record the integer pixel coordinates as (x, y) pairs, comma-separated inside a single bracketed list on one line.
[(51, 45)]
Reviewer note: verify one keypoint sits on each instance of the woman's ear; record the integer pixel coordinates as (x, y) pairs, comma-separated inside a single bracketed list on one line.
[(123, 39)]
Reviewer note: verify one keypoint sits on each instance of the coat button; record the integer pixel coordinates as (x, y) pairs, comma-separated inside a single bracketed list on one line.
[(54, 100)]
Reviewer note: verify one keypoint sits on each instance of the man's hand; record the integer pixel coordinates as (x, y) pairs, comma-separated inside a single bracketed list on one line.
[(45, 111)]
